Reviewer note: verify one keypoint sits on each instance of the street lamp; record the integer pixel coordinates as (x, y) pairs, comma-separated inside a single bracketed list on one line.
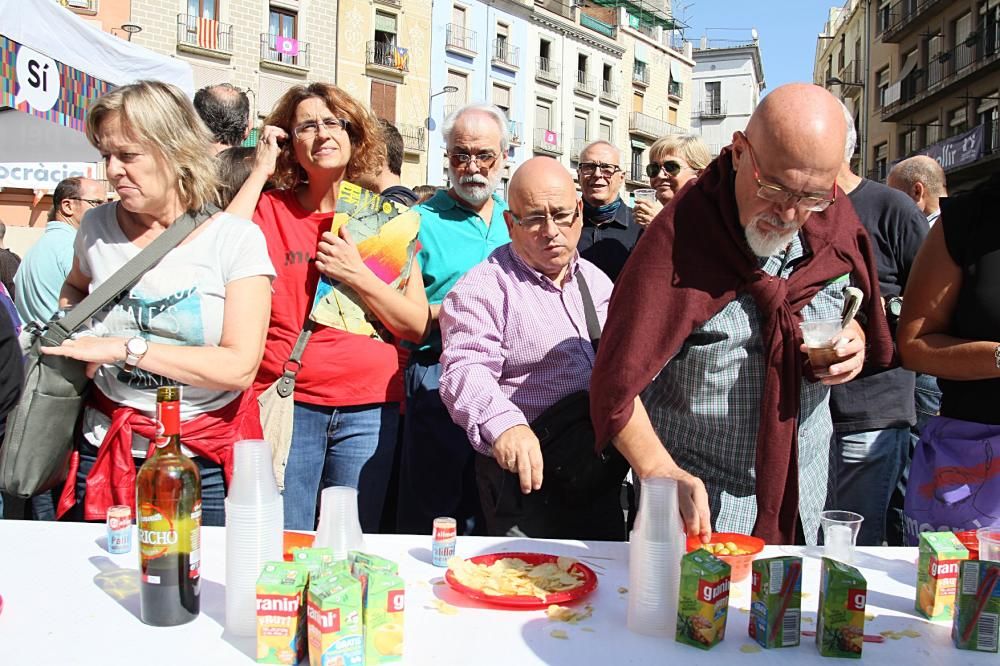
[(836, 81), (131, 29), (430, 126)]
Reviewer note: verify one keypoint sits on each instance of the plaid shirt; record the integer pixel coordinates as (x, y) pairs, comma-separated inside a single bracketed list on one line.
[(515, 343), (705, 406)]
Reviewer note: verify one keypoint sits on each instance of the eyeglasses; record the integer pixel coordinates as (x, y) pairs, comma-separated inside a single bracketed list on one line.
[(94, 203), (485, 159), (672, 167), (562, 219), (777, 194), (590, 168), (310, 129)]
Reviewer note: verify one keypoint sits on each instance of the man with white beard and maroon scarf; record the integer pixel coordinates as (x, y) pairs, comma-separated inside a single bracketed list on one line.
[(459, 228)]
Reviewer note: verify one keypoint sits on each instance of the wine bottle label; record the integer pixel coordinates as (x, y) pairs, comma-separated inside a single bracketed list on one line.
[(168, 421), (194, 568), (157, 535)]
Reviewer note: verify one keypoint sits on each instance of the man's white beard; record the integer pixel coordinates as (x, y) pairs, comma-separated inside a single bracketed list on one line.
[(768, 244), (476, 189)]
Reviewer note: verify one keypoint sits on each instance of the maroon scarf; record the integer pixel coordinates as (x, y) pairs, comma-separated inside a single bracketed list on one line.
[(692, 261)]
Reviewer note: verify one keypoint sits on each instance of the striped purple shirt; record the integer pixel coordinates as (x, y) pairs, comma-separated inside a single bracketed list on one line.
[(515, 343)]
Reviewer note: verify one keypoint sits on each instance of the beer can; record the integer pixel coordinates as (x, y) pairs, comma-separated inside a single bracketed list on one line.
[(119, 529), (443, 540)]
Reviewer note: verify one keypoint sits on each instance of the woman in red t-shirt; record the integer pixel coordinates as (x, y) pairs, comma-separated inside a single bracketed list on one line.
[(349, 386)]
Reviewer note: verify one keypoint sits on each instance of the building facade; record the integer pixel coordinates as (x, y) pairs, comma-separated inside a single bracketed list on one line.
[(842, 50), (726, 86)]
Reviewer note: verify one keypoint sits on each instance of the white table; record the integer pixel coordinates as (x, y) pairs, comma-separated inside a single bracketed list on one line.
[(67, 602)]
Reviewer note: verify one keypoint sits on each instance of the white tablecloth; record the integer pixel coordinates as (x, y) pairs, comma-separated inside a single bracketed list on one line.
[(67, 601)]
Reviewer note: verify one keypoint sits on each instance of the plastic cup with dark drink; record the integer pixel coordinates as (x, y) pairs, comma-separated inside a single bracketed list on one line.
[(821, 337)]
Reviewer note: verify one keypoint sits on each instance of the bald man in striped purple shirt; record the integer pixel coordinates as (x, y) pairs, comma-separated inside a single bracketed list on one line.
[(515, 343)]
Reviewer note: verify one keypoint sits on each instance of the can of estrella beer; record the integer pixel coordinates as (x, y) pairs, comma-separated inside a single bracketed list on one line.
[(119, 529), (443, 540)]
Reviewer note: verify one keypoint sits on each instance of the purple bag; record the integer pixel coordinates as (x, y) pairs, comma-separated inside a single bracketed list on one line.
[(954, 482)]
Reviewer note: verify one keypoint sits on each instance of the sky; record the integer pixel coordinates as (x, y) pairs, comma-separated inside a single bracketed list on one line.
[(787, 30)]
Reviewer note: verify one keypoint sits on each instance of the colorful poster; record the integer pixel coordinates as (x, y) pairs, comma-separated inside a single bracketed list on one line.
[(386, 235), (286, 45)]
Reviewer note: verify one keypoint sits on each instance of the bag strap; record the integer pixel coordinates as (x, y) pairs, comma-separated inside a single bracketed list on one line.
[(589, 311), (115, 286), (286, 383)]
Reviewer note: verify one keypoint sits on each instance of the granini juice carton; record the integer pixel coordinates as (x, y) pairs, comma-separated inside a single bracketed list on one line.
[(335, 631), (977, 606), (840, 627), (384, 604), (776, 602), (704, 600), (281, 613), (937, 573)]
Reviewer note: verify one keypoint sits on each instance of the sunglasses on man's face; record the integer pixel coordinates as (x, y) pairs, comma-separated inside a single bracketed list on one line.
[(672, 167)]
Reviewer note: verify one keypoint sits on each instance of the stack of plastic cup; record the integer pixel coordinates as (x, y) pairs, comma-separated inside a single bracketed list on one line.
[(254, 531), (339, 526), (655, 549)]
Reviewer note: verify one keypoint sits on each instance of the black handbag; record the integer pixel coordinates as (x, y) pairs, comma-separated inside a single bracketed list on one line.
[(572, 466), (38, 442)]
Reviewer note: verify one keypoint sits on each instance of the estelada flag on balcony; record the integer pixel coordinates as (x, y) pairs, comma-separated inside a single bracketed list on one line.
[(286, 45), (208, 33), (551, 137), (401, 58)]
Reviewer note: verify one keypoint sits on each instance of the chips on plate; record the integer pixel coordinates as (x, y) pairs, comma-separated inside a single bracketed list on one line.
[(511, 576)]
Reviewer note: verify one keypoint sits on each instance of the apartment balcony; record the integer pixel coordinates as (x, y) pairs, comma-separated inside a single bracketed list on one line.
[(597, 26), (711, 109), (650, 127), (945, 72), (576, 147), (610, 93), (852, 79), (516, 131), (547, 142), (903, 17), (202, 35), (547, 70), (386, 58), (636, 175), (506, 55), (460, 40), (585, 85), (640, 76), (675, 90), (414, 138), (284, 52), (86, 6), (390, 3), (878, 173)]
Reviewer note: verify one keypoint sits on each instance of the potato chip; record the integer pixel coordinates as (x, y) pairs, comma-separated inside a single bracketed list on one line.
[(511, 576), (559, 633), (563, 614)]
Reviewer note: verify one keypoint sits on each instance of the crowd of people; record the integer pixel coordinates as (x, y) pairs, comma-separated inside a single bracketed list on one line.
[(547, 339)]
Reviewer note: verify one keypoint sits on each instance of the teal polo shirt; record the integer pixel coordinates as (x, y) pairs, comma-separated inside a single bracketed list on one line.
[(40, 277), (453, 239)]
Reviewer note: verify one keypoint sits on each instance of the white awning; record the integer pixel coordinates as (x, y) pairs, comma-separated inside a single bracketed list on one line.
[(909, 65), (676, 73), (892, 94)]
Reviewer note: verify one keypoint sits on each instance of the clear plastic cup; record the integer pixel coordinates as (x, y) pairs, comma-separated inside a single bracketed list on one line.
[(840, 532), (644, 194), (821, 337), (253, 474), (339, 525), (989, 543)]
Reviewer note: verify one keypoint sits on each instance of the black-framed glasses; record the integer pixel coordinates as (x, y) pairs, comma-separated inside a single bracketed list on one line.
[(485, 159), (590, 168), (672, 167), (563, 219), (309, 129), (94, 203), (815, 203)]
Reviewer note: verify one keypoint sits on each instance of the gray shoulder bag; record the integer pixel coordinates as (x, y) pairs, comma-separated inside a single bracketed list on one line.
[(38, 442)]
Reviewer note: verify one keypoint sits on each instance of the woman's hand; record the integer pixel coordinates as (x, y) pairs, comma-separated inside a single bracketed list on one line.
[(338, 258), (93, 350), (268, 149), (645, 211)]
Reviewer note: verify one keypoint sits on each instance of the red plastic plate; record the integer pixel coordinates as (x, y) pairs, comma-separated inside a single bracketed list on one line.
[(520, 601)]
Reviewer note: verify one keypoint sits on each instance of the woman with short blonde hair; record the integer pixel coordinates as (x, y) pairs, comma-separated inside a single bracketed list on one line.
[(675, 160)]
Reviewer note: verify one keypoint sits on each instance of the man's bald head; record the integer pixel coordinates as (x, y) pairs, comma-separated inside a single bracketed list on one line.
[(538, 173), (922, 179)]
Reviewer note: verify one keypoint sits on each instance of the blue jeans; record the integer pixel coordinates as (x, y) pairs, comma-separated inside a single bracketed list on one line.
[(213, 486), (339, 446), (870, 465)]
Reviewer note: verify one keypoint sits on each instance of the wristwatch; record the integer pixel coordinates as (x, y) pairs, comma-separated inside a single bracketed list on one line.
[(894, 306), (135, 348)]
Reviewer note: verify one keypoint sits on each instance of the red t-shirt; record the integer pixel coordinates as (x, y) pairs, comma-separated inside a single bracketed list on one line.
[(339, 369)]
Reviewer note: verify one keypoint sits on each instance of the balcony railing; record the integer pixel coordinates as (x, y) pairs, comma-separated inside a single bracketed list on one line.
[(85, 5), (640, 75), (284, 50), (576, 147), (460, 39), (585, 84), (506, 54), (516, 130), (675, 89), (388, 56), (716, 108), (414, 137), (878, 172), (650, 126), (547, 70), (391, 3), (597, 25), (547, 141), (944, 70), (637, 174), (610, 92), (902, 15), (204, 33)]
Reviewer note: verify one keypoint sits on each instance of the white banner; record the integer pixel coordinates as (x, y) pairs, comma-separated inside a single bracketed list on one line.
[(43, 175)]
